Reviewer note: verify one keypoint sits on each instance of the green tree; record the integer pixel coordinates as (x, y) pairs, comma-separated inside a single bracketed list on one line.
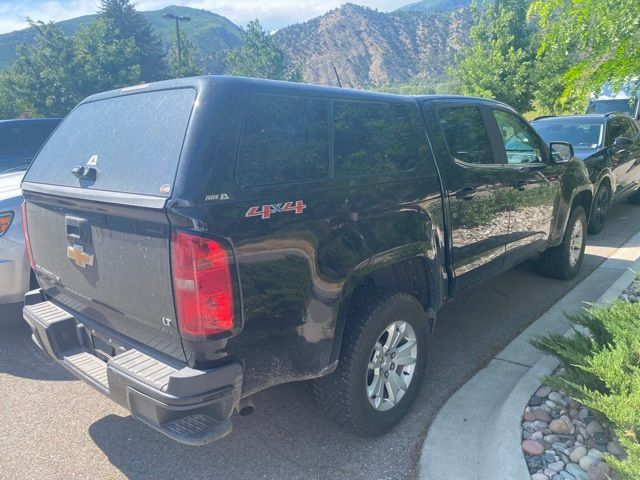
[(260, 56), (103, 61), (549, 80), (498, 61), (604, 33), (129, 23), (8, 107), (54, 74), (184, 64), (44, 79)]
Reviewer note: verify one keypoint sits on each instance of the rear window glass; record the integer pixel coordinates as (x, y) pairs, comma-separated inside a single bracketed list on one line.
[(373, 138), (20, 141), (134, 141), (284, 140), (466, 135)]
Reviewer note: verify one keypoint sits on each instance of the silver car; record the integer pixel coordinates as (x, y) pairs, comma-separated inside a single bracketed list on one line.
[(20, 140)]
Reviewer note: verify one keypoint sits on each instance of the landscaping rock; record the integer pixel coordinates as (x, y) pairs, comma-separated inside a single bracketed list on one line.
[(549, 456), (541, 415), (557, 467), (572, 427), (577, 472), (577, 454), (615, 449), (532, 447), (599, 471), (536, 401), (555, 397), (539, 476), (586, 461), (595, 453), (600, 438), (559, 426), (563, 440), (543, 391), (535, 463), (594, 427)]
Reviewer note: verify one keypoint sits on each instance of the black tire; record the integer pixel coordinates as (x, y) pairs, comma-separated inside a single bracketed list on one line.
[(555, 262), (342, 395), (600, 208)]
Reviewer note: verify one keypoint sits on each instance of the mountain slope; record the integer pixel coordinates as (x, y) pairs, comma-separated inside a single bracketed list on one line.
[(211, 33), (372, 48), (426, 6)]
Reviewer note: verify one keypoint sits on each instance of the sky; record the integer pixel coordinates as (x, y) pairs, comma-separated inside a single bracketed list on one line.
[(271, 13)]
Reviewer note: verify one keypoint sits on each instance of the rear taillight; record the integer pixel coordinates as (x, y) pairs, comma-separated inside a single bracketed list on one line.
[(202, 285), (5, 221), (25, 230)]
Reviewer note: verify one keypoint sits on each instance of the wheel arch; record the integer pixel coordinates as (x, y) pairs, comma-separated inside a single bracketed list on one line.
[(416, 276), (605, 179), (584, 199)]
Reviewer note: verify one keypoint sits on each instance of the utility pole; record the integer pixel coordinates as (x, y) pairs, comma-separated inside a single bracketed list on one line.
[(178, 19)]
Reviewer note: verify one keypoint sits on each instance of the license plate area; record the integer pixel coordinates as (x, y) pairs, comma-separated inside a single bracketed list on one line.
[(102, 349)]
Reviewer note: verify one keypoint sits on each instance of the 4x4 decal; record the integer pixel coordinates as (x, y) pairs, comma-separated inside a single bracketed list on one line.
[(265, 211)]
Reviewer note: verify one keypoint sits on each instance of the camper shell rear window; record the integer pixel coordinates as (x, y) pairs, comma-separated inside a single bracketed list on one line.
[(133, 141)]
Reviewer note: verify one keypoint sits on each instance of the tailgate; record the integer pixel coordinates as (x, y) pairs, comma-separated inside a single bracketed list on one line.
[(109, 263)]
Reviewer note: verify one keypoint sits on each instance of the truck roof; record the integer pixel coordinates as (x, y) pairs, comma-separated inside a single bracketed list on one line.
[(601, 117), (231, 82), (18, 121)]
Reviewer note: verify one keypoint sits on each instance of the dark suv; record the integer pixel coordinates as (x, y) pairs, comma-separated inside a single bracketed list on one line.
[(609, 144), (199, 240)]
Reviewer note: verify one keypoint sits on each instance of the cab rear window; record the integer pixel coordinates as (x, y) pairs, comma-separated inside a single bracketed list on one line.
[(133, 141)]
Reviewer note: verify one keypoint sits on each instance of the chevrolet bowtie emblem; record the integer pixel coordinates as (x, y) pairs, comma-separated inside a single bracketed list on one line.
[(78, 255)]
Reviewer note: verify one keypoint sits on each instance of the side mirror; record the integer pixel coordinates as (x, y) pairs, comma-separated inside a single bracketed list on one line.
[(561, 152), (622, 143)]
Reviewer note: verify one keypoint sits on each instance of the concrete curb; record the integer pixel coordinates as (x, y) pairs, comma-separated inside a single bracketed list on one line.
[(481, 421)]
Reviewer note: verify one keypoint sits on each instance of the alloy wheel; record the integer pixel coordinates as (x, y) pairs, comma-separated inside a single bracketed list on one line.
[(576, 243), (391, 366)]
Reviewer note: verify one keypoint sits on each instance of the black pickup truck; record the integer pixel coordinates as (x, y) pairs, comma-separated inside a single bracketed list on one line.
[(202, 239)]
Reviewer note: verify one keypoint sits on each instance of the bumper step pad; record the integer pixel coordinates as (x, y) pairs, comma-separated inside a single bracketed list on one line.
[(188, 405), (144, 368), (90, 367), (197, 429)]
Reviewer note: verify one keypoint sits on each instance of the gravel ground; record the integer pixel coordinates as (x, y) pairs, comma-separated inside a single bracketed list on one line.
[(52, 426)]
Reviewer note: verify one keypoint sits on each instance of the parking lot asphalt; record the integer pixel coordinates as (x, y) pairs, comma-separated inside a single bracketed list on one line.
[(53, 426)]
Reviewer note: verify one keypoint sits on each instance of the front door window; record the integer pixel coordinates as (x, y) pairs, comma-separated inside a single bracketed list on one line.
[(520, 143)]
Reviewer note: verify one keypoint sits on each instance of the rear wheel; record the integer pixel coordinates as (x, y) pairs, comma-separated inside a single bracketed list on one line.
[(382, 363), (565, 260), (600, 209)]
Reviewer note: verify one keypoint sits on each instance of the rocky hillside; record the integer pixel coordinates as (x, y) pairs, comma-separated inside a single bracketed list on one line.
[(368, 48), (372, 48)]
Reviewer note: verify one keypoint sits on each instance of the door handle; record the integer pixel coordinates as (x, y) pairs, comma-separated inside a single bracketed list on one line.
[(466, 193), (78, 229), (520, 185)]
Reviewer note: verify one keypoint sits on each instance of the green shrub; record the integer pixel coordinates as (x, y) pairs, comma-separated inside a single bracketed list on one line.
[(602, 371)]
